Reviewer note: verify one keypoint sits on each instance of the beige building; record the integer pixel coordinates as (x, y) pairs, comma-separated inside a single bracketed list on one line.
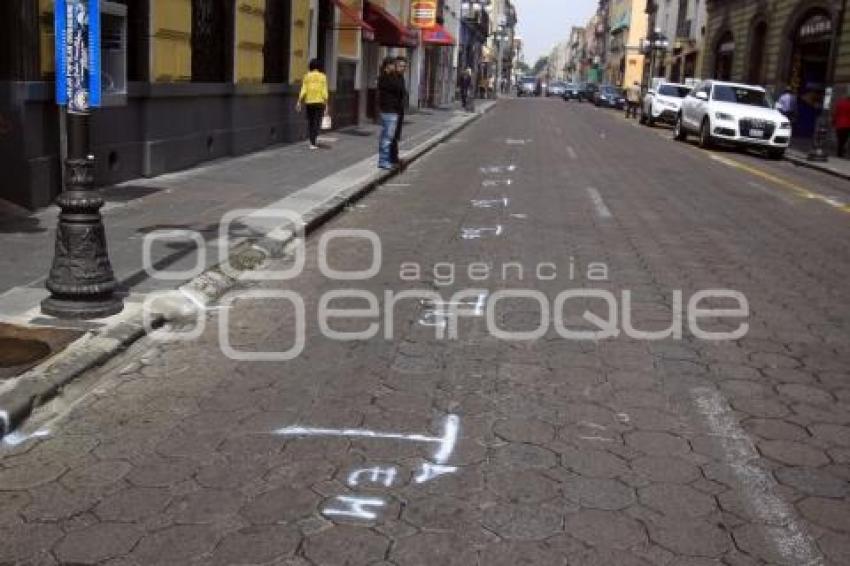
[(627, 23)]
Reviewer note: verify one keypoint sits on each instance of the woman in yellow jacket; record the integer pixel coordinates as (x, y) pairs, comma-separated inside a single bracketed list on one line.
[(314, 93)]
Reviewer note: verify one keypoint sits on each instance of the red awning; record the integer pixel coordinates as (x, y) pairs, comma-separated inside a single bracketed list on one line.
[(367, 30), (389, 32), (438, 35)]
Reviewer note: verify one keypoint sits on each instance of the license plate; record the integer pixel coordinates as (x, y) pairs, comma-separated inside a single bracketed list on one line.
[(757, 133)]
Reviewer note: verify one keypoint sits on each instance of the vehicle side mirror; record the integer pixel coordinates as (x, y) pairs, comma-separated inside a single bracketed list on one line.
[(651, 92), (702, 96)]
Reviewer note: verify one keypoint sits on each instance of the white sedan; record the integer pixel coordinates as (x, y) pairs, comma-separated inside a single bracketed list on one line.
[(735, 114), (663, 104)]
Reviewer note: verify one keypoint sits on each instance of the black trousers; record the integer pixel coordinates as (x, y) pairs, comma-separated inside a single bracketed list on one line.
[(394, 157), (843, 134), (632, 109), (315, 112)]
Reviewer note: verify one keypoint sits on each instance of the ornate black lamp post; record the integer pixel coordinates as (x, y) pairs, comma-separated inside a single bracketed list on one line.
[(81, 281)]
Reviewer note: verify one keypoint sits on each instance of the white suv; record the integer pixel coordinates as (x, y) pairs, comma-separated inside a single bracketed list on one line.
[(663, 103), (738, 114)]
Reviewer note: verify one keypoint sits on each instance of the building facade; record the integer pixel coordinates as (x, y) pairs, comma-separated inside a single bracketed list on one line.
[(186, 81), (781, 43), (627, 23)]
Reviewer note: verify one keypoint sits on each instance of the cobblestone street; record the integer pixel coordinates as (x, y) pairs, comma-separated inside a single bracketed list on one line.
[(404, 447)]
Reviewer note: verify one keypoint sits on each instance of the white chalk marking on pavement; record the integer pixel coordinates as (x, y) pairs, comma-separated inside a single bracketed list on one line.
[(4, 423), (601, 209), (375, 476), (490, 203), (446, 442), (520, 216), (571, 152), (589, 424), (397, 185), (782, 529), (477, 233), (596, 438), (17, 438), (497, 182), (354, 507), (431, 471), (623, 418)]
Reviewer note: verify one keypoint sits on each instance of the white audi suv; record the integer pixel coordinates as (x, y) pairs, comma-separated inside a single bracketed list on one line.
[(737, 114)]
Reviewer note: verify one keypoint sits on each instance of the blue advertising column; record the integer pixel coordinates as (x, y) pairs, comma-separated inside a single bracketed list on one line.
[(81, 282)]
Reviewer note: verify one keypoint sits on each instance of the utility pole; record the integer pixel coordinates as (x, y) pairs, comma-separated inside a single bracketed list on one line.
[(81, 281)]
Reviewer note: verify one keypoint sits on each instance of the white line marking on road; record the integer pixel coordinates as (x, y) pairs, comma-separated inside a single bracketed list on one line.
[(571, 152), (787, 534), (601, 209), (397, 185)]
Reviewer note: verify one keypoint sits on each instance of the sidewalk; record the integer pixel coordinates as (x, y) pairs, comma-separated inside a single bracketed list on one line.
[(194, 199), (837, 166)]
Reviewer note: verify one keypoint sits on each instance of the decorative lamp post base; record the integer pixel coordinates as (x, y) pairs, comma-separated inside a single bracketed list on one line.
[(74, 308), (81, 281)]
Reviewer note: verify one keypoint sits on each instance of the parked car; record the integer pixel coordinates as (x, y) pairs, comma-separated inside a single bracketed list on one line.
[(572, 92), (556, 88), (663, 104), (736, 114), (609, 96), (588, 90), (527, 86)]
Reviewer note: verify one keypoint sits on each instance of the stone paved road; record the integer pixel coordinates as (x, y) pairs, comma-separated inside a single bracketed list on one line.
[(479, 450)]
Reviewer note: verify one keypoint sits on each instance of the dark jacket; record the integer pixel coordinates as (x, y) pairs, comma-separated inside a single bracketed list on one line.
[(391, 93)]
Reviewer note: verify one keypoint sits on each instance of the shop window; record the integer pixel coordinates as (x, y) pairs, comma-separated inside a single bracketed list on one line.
[(113, 46), (277, 45), (210, 40)]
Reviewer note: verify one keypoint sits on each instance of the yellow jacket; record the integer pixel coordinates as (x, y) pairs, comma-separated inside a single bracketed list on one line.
[(314, 88)]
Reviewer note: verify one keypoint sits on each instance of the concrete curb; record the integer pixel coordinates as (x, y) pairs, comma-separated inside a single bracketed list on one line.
[(801, 161), (38, 385)]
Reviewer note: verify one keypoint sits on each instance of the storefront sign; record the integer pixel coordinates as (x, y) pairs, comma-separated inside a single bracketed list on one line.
[(77, 28), (816, 26), (423, 14)]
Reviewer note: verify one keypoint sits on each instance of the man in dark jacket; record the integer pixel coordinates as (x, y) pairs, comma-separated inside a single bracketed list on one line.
[(391, 93), (401, 69)]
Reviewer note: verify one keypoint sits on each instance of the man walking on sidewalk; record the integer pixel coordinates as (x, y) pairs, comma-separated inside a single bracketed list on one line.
[(401, 69), (390, 101), (465, 88), (632, 100)]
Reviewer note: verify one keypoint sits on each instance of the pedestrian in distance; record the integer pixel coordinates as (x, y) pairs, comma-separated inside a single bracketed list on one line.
[(787, 103), (401, 69), (465, 88), (314, 95), (841, 122), (633, 100), (390, 101)]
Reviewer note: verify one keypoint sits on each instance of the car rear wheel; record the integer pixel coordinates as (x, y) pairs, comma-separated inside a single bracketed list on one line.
[(679, 132), (705, 139)]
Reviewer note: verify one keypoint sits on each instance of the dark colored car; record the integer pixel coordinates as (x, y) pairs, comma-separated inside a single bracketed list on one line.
[(587, 91), (609, 96), (572, 91), (527, 86)]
